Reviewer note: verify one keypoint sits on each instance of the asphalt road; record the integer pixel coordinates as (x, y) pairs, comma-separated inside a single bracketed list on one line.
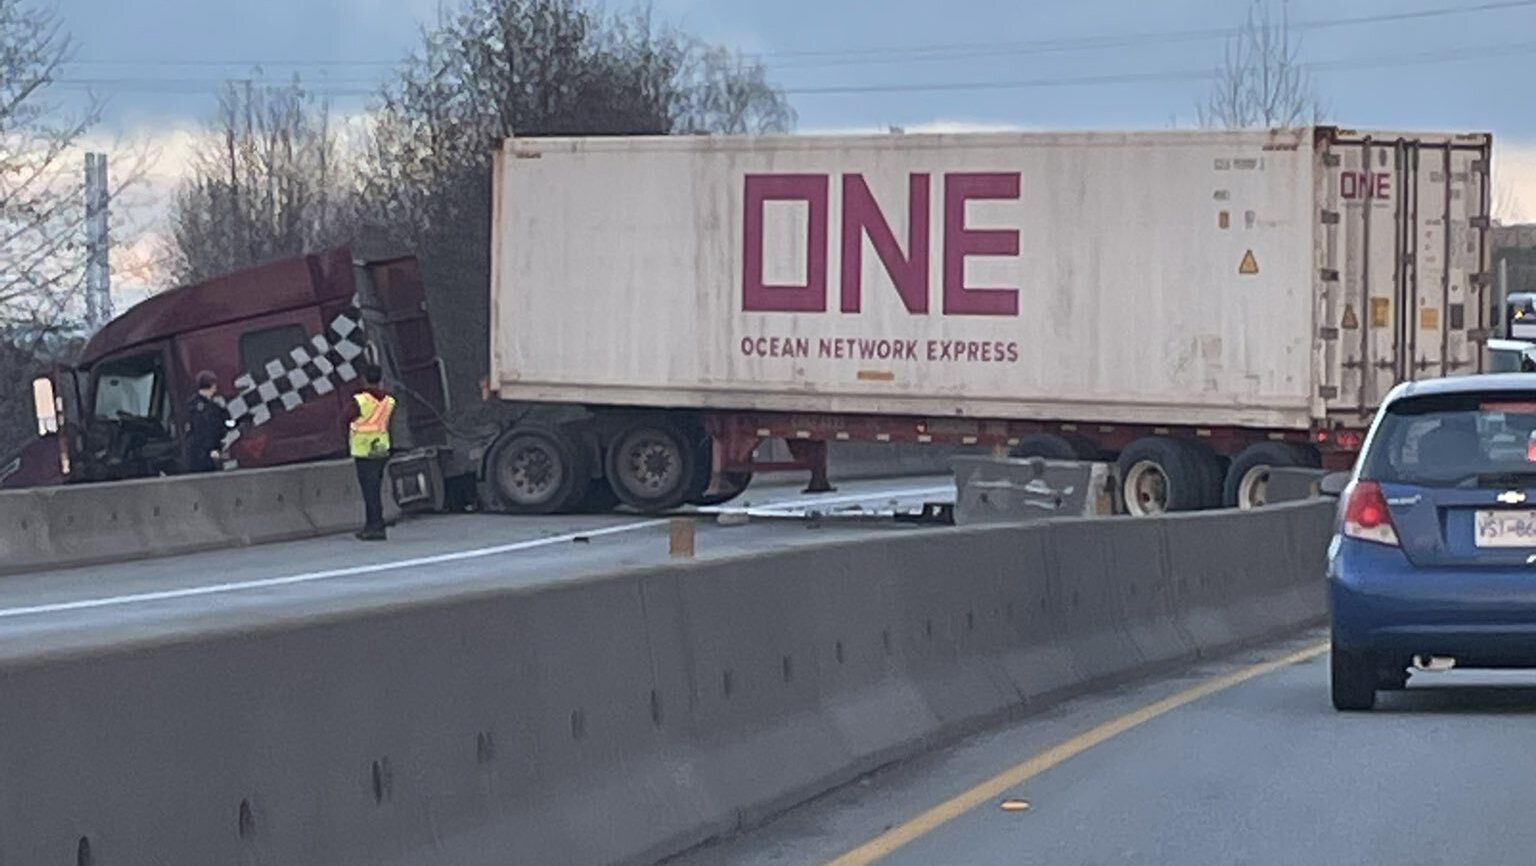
[(1261, 772), (65, 611)]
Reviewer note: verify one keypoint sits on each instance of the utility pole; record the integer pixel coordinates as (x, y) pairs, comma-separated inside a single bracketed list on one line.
[(98, 271)]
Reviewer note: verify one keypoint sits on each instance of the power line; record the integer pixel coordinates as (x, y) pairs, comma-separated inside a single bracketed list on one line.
[(1479, 52), (929, 52), (194, 86), (1089, 43)]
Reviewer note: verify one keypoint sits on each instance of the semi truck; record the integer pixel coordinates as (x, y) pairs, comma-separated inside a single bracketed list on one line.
[(1198, 307)]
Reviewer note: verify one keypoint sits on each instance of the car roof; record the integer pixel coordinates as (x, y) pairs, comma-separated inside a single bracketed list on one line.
[(1481, 383)]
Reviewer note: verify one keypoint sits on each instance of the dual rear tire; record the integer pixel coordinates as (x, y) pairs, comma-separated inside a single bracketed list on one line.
[(1159, 475), (1247, 483), (652, 465)]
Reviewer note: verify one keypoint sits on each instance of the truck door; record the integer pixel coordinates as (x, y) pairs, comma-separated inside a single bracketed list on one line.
[(129, 418), (1406, 249), (294, 411)]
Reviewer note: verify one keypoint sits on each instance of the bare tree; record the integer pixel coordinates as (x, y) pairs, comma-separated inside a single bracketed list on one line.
[(269, 179), (496, 68), (1261, 81), (42, 208), (724, 92), (41, 198), (546, 67)]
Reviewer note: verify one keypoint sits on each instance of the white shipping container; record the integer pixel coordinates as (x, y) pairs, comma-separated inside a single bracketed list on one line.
[(1262, 279)]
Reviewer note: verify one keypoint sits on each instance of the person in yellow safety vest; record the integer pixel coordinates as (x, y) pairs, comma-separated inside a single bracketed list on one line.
[(368, 437)]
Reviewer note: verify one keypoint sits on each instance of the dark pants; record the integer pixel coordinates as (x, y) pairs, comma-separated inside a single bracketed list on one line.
[(199, 461), (370, 476)]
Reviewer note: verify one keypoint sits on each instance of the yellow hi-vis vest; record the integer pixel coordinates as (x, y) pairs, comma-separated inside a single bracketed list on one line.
[(370, 432)]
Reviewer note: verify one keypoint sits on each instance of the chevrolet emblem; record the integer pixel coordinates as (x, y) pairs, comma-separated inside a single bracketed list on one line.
[(1512, 497)]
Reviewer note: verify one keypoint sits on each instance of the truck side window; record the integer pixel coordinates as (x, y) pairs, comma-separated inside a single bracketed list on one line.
[(268, 344)]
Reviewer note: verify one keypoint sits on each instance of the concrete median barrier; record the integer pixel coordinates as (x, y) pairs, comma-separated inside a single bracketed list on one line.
[(613, 719), (999, 490), (90, 524)]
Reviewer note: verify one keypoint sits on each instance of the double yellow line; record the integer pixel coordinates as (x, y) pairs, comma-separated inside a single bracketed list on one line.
[(888, 842)]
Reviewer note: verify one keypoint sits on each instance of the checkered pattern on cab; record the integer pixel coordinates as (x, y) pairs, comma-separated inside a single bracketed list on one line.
[(314, 368)]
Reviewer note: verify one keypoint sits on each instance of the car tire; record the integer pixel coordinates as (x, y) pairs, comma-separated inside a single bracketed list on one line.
[(1353, 680), (1392, 674)]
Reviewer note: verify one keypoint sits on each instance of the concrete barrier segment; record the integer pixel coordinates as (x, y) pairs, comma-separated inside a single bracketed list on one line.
[(617, 719)]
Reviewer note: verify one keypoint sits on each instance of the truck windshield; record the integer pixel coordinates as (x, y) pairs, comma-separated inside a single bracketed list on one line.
[(129, 387), (1456, 440)]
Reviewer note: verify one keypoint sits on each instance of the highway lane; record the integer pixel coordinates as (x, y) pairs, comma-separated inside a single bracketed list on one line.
[(1260, 772), (434, 557)]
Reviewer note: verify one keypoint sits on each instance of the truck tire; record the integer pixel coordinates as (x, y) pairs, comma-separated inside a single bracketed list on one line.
[(1054, 446), (1248, 479), (1159, 475), (535, 470), (735, 484), (653, 466)]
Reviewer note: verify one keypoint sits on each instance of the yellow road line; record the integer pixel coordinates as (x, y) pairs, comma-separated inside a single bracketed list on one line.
[(886, 843)]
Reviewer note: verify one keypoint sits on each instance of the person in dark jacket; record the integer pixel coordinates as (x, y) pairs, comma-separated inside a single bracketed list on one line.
[(207, 425)]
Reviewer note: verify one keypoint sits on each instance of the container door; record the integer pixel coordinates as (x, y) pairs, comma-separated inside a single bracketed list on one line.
[(1404, 254)]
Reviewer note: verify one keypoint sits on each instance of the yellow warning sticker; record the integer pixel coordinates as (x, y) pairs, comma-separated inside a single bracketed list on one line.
[(1381, 312), (1429, 318), (1250, 265), (1351, 321)]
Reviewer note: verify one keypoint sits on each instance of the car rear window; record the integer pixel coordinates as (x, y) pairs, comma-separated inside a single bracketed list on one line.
[(1455, 440)]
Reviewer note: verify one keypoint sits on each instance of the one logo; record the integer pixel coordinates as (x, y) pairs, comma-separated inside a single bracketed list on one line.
[(1512, 497)]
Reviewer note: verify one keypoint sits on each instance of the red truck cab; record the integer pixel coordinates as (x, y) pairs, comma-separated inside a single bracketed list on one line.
[(285, 340)]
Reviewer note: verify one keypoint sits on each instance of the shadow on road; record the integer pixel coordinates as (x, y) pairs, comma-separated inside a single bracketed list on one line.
[(1460, 700)]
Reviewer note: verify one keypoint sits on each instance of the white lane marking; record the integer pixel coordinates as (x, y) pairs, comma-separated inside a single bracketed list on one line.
[(266, 583), (458, 556)]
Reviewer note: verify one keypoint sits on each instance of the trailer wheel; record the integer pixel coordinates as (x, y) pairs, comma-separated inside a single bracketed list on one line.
[(1247, 483), (653, 466), (1054, 446), (533, 470), (735, 484), (1159, 475)]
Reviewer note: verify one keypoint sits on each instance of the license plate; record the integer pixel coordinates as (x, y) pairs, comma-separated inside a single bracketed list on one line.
[(1506, 528)]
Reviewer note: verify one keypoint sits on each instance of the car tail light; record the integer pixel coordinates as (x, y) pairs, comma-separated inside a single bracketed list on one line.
[(1366, 516)]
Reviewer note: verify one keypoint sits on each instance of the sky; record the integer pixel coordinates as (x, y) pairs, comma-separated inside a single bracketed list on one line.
[(863, 64)]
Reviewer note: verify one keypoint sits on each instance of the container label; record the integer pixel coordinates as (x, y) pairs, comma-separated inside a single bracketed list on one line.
[(1249, 266)]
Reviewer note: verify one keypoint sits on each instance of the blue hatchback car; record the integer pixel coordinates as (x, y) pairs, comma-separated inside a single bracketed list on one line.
[(1433, 564)]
